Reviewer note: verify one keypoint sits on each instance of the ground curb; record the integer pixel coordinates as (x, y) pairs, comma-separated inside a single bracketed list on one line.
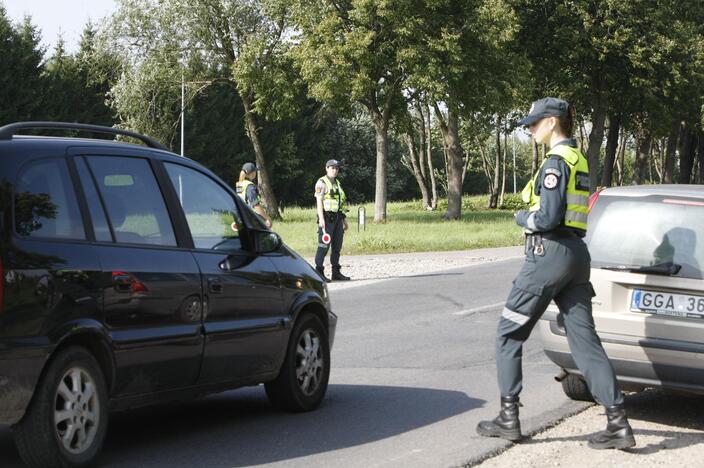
[(549, 420)]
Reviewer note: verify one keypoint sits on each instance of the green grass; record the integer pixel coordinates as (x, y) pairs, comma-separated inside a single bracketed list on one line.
[(409, 228)]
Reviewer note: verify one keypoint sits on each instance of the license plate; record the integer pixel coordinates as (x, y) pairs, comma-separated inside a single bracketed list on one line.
[(662, 303)]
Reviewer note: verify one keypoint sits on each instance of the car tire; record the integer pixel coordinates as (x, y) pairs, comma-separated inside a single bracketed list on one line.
[(576, 388), (66, 422), (303, 380)]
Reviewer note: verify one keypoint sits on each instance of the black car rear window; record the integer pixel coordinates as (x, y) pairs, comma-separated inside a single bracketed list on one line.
[(45, 202), (647, 231)]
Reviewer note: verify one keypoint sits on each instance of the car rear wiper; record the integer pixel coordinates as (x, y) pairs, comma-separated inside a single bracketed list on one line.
[(667, 268)]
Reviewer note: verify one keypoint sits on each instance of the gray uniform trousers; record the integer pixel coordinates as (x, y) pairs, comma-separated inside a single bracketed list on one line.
[(336, 228), (560, 274)]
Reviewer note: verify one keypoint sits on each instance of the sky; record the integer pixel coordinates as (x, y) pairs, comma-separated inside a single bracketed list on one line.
[(59, 17)]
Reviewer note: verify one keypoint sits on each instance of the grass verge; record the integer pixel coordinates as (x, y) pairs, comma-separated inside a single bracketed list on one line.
[(409, 228)]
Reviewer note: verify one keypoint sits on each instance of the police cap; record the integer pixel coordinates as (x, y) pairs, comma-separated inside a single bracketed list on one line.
[(542, 108), (249, 167), (333, 163)]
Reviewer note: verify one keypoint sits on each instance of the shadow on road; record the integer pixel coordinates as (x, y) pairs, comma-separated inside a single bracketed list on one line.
[(391, 277), (240, 428)]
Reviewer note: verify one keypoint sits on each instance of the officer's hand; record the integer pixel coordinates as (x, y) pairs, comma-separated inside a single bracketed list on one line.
[(268, 223), (321, 223)]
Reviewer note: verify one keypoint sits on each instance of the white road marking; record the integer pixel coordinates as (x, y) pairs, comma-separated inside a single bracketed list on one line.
[(480, 309)]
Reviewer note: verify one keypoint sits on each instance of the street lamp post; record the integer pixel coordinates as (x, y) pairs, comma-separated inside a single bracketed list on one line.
[(183, 109)]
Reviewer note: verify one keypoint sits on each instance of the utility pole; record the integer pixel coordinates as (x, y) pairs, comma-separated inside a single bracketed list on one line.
[(513, 140), (183, 110)]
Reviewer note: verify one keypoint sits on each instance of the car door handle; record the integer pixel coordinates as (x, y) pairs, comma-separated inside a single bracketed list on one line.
[(214, 285)]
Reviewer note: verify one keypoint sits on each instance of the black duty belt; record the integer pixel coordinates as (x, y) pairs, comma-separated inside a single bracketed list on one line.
[(556, 234)]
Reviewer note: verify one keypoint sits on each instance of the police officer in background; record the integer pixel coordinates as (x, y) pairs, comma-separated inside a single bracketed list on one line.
[(331, 205), (556, 268), (247, 190)]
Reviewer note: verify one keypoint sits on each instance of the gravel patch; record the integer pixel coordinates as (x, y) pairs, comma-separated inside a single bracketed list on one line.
[(367, 269), (669, 431)]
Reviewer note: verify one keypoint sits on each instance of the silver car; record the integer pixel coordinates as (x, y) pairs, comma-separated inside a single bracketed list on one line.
[(647, 249)]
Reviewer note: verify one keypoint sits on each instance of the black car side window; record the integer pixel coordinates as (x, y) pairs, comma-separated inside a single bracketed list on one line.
[(210, 210), (45, 202), (133, 200), (97, 214)]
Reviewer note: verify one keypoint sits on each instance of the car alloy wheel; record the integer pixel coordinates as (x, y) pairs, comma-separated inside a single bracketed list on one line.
[(303, 379), (309, 362), (76, 411), (66, 423)]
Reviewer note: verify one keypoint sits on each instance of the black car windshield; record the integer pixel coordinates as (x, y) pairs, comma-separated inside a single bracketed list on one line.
[(633, 232)]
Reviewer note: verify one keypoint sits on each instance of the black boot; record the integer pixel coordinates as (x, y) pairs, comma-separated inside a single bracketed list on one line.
[(506, 425), (337, 276), (618, 433), (321, 272)]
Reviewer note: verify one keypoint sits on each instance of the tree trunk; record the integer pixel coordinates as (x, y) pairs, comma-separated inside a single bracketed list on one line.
[(264, 182), (596, 137), (686, 155), (611, 147), (421, 153), (413, 154), (669, 165), (455, 163), (465, 167), (658, 161), (642, 151), (534, 161), (503, 171), (700, 155), (621, 158), (429, 155), (486, 166), (381, 127), (494, 197)]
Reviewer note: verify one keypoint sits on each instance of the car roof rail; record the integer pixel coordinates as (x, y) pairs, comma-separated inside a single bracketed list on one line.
[(7, 131)]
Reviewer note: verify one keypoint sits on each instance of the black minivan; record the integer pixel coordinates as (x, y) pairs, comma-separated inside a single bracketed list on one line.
[(129, 276)]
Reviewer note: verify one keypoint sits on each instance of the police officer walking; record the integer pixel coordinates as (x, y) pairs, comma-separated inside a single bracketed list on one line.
[(331, 205), (247, 190), (556, 268)]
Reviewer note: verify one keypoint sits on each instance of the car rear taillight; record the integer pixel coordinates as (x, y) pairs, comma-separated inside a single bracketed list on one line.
[(592, 199)]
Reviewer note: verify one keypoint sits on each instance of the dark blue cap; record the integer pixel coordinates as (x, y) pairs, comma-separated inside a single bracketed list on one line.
[(332, 162), (546, 107), (249, 167)]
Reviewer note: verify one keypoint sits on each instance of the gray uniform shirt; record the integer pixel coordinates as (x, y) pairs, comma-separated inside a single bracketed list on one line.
[(551, 185)]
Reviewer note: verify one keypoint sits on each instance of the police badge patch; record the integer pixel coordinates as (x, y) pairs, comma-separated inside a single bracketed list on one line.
[(550, 181)]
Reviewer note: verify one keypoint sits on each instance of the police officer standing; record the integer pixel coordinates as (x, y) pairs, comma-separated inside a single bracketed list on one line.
[(556, 268), (247, 190), (331, 207)]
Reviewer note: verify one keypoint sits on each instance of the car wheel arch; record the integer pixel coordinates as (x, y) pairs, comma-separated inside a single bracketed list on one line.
[(95, 341), (310, 303)]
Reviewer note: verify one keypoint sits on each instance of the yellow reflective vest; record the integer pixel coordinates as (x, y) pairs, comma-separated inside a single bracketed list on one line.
[(241, 188), (334, 199), (577, 186)]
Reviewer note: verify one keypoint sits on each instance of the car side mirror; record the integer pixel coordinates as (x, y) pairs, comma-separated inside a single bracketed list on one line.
[(266, 241)]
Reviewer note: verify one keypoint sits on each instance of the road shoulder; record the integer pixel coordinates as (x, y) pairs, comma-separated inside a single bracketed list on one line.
[(368, 269)]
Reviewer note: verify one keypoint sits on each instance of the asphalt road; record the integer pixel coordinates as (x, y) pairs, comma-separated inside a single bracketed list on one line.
[(413, 373)]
